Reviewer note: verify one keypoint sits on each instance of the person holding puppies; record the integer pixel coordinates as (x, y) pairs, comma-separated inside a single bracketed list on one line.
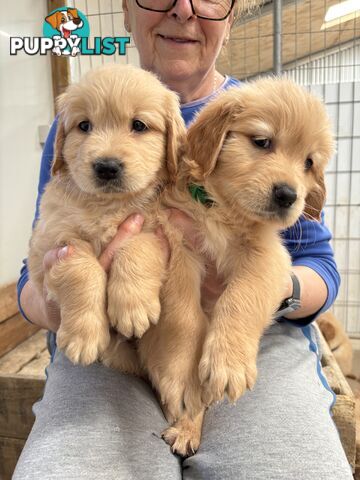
[(93, 422)]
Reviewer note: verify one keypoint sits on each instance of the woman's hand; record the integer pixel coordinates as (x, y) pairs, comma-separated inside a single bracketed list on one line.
[(46, 313), (212, 286)]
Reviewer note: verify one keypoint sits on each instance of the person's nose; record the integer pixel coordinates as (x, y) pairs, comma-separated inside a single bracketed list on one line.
[(182, 11)]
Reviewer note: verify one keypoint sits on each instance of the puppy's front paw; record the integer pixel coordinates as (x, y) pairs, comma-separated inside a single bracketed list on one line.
[(83, 345), (130, 314), (225, 371)]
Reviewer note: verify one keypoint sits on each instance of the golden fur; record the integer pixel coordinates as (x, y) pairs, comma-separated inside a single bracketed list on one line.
[(240, 231), (337, 340), (76, 210), (191, 362)]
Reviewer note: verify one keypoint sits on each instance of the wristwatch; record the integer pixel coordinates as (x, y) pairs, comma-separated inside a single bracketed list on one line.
[(292, 303)]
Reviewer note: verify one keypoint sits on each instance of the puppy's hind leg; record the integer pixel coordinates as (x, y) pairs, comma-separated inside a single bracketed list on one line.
[(171, 351), (184, 435), (121, 355)]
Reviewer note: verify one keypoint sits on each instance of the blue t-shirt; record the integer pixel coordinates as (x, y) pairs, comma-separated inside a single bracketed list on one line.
[(307, 241)]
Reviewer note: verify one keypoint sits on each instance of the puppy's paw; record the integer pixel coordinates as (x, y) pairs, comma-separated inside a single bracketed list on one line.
[(223, 372), (131, 315), (122, 355), (183, 437), (83, 346)]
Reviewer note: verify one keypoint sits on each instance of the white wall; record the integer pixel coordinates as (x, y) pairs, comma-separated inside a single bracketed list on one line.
[(26, 101)]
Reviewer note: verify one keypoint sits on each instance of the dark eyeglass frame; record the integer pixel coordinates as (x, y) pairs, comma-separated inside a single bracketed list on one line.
[(192, 8)]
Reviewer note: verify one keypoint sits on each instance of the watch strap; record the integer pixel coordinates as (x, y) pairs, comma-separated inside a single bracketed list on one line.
[(292, 303)]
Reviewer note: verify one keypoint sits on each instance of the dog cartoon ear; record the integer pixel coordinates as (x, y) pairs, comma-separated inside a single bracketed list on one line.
[(54, 19), (176, 138), (315, 199), (207, 134), (73, 12)]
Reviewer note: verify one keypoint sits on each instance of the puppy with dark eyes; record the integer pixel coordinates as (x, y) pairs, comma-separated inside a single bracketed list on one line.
[(260, 167), (116, 148), (119, 139)]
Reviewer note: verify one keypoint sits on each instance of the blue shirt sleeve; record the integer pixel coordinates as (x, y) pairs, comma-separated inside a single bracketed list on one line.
[(309, 245), (45, 173)]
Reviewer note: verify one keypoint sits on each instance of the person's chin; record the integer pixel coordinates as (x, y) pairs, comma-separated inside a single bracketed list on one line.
[(176, 68)]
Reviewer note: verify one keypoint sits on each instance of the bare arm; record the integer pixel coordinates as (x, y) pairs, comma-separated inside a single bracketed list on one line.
[(313, 292)]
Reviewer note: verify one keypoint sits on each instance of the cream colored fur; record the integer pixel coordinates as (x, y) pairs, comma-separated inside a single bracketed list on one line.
[(76, 211), (240, 232), (192, 357)]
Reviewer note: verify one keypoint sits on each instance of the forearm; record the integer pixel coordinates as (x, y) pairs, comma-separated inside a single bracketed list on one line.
[(313, 292), (33, 305)]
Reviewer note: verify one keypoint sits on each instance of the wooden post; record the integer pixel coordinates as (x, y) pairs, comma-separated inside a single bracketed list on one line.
[(59, 65)]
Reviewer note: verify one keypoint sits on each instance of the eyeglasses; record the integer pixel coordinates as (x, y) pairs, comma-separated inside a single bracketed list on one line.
[(207, 9)]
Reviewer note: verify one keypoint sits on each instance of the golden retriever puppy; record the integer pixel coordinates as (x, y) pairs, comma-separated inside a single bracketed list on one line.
[(257, 155), (116, 148), (119, 138), (337, 339)]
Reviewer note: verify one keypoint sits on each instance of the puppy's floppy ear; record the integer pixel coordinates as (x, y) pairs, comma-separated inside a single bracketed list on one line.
[(207, 134), (315, 199), (58, 161), (175, 140), (54, 19)]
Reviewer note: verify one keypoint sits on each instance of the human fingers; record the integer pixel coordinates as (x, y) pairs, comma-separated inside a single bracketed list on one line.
[(55, 254), (127, 229)]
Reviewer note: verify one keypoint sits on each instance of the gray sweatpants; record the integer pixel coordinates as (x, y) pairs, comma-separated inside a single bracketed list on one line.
[(95, 423)]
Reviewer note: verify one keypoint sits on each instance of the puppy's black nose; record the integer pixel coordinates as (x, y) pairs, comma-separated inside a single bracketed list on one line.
[(77, 20), (283, 195), (107, 168)]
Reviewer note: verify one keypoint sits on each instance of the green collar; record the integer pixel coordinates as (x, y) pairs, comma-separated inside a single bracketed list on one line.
[(199, 194)]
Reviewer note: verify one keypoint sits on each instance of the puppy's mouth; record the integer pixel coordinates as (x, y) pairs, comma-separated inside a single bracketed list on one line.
[(278, 214), (109, 187), (281, 205), (66, 32)]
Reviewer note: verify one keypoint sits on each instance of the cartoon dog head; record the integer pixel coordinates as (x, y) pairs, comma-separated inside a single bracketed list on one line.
[(65, 21)]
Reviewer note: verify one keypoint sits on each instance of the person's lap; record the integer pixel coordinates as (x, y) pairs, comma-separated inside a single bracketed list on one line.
[(95, 423)]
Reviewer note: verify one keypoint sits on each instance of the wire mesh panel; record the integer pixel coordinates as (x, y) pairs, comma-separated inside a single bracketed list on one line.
[(106, 19)]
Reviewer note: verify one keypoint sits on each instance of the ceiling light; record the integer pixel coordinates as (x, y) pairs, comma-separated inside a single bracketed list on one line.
[(340, 13)]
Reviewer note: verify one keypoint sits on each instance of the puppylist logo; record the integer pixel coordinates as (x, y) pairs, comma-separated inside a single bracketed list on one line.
[(66, 32)]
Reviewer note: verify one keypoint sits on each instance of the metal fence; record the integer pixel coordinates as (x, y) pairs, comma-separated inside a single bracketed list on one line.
[(322, 55)]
